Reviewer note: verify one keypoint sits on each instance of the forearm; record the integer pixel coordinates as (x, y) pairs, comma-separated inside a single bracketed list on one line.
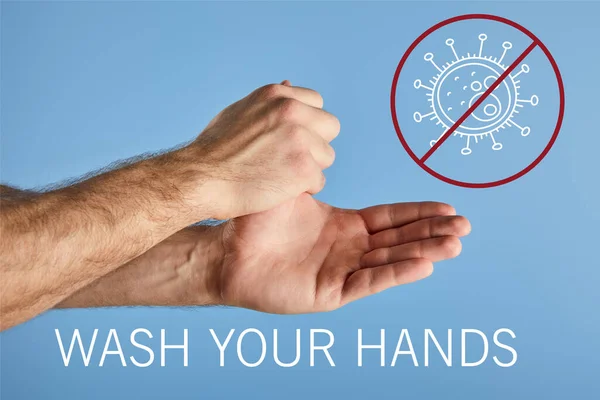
[(55, 243), (183, 270), (9, 194), (258, 153)]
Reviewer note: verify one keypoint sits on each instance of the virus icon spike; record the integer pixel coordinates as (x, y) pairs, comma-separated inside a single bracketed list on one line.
[(506, 46), (418, 117), (460, 83), (524, 70), (482, 38), (429, 57), (525, 130), (533, 101), (450, 43), (466, 150), (418, 85), (496, 146)]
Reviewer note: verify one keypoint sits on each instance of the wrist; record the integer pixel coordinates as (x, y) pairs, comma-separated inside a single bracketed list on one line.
[(202, 184), (183, 270), (186, 269), (205, 263)]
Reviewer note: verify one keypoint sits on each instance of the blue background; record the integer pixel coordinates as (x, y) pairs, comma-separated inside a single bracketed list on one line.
[(84, 84)]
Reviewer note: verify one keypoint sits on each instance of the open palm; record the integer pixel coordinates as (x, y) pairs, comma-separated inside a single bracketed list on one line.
[(306, 256)]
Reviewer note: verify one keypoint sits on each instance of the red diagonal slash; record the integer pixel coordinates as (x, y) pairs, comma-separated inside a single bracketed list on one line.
[(480, 100)]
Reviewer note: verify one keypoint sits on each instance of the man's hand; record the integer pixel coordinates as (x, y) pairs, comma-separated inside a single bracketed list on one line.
[(306, 256), (303, 256), (256, 154), (265, 149)]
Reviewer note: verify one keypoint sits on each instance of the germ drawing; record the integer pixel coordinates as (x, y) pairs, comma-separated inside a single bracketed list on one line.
[(458, 83)]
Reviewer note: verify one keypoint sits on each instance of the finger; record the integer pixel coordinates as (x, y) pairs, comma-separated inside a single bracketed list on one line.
[(321, 151), (295, 111), (368, 281), (320, 122), (307, 96), (434, 250), (422, 229), (317, 182), (388, 216), (286, 90)]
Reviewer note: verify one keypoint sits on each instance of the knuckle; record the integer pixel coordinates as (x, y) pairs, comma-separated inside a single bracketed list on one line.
[(270, 91), (288, 109)]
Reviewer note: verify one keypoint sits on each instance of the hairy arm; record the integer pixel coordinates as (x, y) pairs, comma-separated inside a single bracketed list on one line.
[(259, 152), (55, 243), (8, 193), (319, 258), (183, 270)]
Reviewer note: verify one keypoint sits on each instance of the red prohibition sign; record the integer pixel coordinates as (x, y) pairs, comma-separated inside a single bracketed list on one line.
[(535, 43)]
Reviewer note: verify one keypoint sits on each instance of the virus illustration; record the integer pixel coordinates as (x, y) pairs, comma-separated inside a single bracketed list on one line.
[(460, 82)]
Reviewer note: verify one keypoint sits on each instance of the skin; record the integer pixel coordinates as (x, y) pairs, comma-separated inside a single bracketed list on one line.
[(257, 153), (302, 256), (123, 237)]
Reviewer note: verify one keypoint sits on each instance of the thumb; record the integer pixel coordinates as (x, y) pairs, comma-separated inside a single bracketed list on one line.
[(286, 83)]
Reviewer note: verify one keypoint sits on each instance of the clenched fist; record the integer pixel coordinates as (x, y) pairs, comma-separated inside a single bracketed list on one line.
[(265, 149)]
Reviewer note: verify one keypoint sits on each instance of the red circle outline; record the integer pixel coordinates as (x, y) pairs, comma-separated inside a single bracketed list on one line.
[(559, 121)]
